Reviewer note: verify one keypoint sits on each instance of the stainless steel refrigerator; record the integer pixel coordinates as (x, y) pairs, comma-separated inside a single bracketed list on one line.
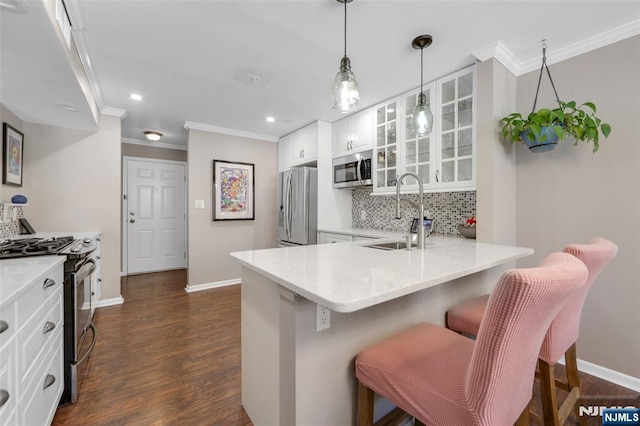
[(297, 206)]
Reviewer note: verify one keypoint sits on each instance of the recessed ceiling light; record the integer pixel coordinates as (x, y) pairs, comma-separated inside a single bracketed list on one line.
[(135, 97), (67, 107), (270, 119), (152, 135), (390, 110)]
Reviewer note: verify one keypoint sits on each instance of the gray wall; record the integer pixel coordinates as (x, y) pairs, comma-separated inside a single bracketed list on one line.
[(571, 195), (143, 151), (210, 242)]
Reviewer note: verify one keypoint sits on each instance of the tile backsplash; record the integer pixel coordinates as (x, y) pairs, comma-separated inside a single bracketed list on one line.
[(449, 209), (11, 227)]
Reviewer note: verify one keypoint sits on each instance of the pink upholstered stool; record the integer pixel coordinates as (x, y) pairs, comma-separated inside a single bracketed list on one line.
[(442, 378), (560, 338)]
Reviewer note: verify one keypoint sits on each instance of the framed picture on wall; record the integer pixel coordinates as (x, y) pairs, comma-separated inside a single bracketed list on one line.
[(233, 190), (12, 155)]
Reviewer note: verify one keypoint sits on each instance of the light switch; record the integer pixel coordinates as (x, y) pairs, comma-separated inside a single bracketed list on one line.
[(199, 204)]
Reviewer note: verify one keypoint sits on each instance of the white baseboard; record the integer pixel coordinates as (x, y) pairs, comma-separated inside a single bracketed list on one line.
[(207, 286), (607, 374), (110, 302)]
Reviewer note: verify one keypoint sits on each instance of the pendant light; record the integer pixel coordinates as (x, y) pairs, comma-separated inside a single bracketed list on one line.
[(422, 120), (344, 93)]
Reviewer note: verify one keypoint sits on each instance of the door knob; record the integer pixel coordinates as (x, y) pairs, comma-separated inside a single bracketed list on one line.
[(132, 221), (132, 213)]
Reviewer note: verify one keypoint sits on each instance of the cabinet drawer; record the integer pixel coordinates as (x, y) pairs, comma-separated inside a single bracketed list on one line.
[(38, 293), (8, 323), (41, 398), (44, 326), (8, 383)]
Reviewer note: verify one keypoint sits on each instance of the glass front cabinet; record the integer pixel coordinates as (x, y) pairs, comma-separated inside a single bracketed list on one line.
[(445, 158)]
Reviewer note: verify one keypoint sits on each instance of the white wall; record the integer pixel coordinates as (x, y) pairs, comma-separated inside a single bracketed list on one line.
[(72, 181), (210, 242), (571, 195)]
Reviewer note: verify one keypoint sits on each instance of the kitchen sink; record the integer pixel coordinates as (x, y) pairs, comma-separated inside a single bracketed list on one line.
[(390, 246)]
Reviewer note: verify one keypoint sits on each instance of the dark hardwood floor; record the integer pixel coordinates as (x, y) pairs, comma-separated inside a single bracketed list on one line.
[(166, 357), (163, 357)]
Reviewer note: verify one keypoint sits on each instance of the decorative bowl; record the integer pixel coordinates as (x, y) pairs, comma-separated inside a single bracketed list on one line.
[(19, 199), (467, 231)]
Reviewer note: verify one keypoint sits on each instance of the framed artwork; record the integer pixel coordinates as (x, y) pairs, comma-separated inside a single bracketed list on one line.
[(12, 153), (233, 191)]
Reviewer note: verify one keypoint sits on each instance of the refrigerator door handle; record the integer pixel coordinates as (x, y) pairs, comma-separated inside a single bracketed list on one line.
[(359, 170), (287, 207)]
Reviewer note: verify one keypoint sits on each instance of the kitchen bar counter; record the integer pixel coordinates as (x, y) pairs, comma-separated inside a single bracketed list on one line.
[(297, 361), (346, 277)]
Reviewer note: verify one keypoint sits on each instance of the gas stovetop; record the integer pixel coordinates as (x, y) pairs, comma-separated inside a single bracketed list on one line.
[(33, 246)]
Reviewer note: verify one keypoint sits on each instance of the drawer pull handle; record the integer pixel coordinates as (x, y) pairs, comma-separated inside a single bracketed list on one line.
[(48, 283), (48, 381), (3, 326), (48, 326), (4, 397)]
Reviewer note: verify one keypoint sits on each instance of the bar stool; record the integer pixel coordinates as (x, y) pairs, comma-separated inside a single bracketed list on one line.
[(560, 338), (440, 377)]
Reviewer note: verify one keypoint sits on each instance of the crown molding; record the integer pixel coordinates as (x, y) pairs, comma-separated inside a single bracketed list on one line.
[(190, 125), (587, 45), (154, 144), (499, 52), (116, 112)]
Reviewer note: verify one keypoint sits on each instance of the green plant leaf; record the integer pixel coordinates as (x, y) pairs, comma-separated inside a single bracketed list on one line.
[(590, 105), (571, 104), (558, 131), (606, 129), (535, 128)]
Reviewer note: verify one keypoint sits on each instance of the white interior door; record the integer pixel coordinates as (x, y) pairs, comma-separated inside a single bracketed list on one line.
[(155, 216)]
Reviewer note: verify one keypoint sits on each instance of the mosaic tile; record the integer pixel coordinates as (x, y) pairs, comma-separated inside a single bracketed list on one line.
[(449, 209), (12, 227)]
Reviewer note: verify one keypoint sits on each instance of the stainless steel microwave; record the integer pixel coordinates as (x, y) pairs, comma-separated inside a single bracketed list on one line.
[(352, 170)]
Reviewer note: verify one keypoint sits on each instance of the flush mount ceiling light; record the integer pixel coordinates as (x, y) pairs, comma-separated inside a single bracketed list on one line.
[(152, 135), (67, 107), (270, 119), (422, 120), (135, 97), (344, 93)]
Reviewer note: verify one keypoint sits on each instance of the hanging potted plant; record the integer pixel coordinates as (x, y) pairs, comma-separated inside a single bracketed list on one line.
[(542, 129)]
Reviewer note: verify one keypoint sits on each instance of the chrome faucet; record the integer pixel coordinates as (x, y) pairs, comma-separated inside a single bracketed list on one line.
[(420, 236)]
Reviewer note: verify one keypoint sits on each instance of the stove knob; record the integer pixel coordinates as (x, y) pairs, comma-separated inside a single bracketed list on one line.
[(87, 240)]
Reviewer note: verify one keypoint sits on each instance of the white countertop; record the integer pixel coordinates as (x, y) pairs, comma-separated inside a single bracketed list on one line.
[(15, 274), (346, 277)]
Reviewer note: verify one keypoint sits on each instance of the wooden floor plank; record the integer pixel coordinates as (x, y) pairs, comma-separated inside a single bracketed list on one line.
[(167, 357)]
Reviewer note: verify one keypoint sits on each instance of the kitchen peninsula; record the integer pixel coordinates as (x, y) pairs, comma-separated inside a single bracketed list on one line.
[(292, 374)]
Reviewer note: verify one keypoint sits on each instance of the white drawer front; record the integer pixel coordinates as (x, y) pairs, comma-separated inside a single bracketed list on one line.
[(38, 332), (29, 303), (8, 383), (8, 323), (40, 402)]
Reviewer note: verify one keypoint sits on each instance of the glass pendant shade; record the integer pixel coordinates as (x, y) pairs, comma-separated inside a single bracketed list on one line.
[(345, 93), (422, 120)]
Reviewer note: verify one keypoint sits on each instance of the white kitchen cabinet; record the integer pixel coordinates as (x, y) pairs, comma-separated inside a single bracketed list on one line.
[(31, 340), (444, 159), (353, 134), (328, 237), (298, 148)]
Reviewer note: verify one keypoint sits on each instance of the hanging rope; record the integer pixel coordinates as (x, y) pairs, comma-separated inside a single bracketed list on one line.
[(544, 65)]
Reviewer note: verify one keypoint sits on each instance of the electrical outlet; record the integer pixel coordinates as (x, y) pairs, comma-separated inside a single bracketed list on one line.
[(199, 204), (363, 215), (323, 318)]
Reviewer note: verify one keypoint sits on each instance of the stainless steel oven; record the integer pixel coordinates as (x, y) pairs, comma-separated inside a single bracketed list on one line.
[(79, 332), (352, 170)]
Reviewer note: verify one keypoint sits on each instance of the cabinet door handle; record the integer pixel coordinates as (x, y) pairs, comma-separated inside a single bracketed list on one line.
[(4, 397), (48, 283), (437, 175), (98, 257), (48, 326), (3, 326), (48, 381)]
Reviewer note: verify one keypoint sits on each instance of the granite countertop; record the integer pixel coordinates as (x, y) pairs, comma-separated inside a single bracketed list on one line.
[(348, 277), (16, 274)]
